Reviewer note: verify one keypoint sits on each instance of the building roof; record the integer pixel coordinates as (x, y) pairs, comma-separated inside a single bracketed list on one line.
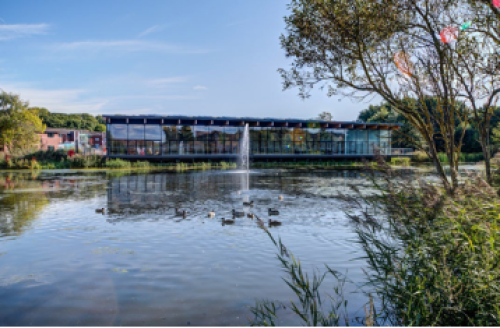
[(65, 131), (241, 121)]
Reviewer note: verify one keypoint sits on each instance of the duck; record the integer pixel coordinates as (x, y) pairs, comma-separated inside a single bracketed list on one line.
[(211, 214), (238, 213), (227, 221), (274, 222), (273, 211), (280, 197), (250, 215), (248, 203), (100, 210)]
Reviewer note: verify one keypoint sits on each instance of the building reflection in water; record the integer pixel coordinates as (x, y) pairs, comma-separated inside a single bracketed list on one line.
[(199, 192)]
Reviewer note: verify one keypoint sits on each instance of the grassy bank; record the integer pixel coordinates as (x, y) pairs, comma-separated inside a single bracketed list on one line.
[(302, 165), (421, 157)]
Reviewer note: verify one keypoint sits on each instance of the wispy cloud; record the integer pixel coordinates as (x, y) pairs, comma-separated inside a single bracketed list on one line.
[(125, 46), (83, 100), (57, 100), (152, 29), (166, 81), (200, 87), (9, 32)]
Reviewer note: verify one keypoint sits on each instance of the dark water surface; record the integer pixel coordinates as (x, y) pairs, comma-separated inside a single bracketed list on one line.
[(61, 263)]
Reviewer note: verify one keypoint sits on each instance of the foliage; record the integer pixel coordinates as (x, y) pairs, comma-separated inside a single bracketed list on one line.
[(19, 124), (309, 304), (404, 161), (325, 116), (433, 258), (72, 121), (406, 136), (352, 48), (117, 164)]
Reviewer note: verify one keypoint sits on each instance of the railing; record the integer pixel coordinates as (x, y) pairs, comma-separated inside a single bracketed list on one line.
[(401, 151)]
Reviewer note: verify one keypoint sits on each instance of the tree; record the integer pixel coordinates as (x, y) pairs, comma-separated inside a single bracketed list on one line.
[(389, 48), (19, 124), (325, 116), (476, 66)]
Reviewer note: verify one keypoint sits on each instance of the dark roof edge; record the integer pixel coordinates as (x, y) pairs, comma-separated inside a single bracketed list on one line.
[(244, 119)]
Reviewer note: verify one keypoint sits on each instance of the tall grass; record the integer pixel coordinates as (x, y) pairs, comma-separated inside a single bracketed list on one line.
[(432, 259), (421, 157)]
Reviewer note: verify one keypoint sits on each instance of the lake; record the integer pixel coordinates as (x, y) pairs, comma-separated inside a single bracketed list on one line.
[(61, 263)]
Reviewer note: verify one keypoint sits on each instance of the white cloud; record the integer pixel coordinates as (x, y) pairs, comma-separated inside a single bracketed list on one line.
[(9, 32), (82, 100), (200, 87), (166, 81), (152, 29), (125, 46), (56, 100)]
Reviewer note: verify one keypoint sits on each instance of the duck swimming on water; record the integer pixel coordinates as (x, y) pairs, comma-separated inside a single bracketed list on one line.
[(238, 213), (274, 222), (100, 210), (273, 211), (248, 203), (211, 214), (227, 221)]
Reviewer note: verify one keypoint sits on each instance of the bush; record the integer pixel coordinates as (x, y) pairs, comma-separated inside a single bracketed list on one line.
[(117, 164), (400, 161), (85, 161), (420, 157), (432, 258), (143, 164)]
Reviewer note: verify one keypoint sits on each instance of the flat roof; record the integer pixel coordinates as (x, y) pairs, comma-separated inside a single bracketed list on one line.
[(241, 121)]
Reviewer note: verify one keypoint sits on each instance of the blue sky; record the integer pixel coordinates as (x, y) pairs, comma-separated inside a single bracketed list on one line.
[(154, 57)]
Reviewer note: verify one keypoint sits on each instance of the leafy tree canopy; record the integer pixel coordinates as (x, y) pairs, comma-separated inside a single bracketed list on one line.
[(72, 121), (19, 124)]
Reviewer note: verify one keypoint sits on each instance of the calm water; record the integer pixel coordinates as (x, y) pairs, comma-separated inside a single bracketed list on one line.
[(61, 263)]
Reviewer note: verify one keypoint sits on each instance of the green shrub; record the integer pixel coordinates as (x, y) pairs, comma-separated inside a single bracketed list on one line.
[(143, 164), (432, 258), (400, 161), (420, 157), (117, 164)]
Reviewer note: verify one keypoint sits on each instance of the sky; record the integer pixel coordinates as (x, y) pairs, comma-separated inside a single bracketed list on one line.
[(188, 57)]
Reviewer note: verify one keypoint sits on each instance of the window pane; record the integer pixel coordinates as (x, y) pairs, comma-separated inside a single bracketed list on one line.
[(169, 132), (185, 133), (136, 131), (118, 131), (216, 133), (231, 133), (325, 135), (287, 135), (153, 132)]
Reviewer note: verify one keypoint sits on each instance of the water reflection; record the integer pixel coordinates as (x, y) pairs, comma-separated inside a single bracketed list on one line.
[(140, 264)]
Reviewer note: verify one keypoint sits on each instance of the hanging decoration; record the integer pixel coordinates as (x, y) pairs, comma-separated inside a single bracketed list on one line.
[(403, 63), (449, 34), (466, 25)]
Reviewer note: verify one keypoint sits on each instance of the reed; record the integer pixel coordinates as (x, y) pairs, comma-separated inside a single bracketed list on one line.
[(432, 259)]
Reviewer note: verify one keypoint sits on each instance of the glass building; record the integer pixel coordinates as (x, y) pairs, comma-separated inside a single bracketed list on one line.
[(182, 137)]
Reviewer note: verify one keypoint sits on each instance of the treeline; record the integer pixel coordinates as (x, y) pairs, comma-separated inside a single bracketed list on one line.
[(72, 121), (408, 134)]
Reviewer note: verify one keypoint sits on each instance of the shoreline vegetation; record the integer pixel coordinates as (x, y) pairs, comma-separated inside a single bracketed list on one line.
[(52, 160), (432, 259)]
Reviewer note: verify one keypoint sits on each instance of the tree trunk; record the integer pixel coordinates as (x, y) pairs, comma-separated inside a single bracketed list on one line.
[(487, 161)]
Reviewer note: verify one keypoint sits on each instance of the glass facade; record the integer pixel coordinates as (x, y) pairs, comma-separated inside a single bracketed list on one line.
[(158, 140)]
